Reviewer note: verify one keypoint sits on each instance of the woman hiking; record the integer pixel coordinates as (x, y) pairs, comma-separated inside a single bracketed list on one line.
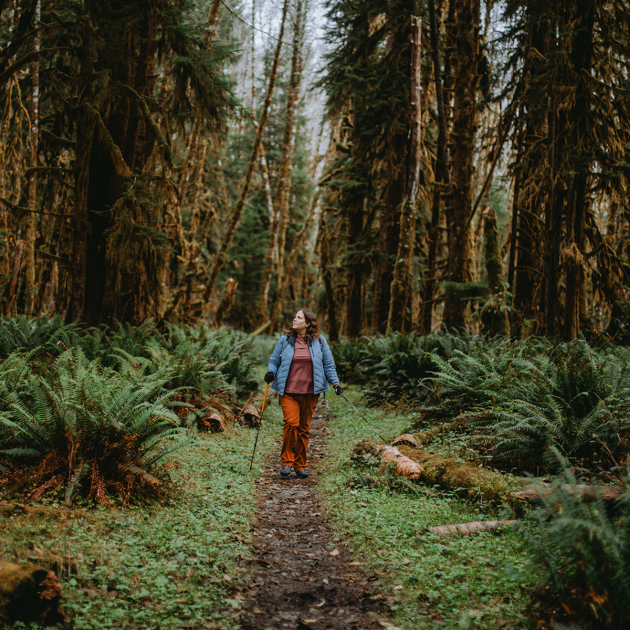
[(300, 368)]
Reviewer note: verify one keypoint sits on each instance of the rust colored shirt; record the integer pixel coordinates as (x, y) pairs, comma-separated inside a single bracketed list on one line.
[(300, 379)]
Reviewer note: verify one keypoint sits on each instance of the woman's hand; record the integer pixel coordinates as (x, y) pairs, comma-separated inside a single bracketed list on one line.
[(269, 377), (338, 389)]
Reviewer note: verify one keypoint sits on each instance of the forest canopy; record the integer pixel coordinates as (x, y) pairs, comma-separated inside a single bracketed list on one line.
[(398, 166)]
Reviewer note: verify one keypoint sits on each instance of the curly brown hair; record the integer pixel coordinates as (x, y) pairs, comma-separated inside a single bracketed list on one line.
[(312, 327)]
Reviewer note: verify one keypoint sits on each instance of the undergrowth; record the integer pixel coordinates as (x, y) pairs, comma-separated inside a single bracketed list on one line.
[(511, 401), (534, 406), (471, 582), (584, 551), (169, 563), (97, 411)]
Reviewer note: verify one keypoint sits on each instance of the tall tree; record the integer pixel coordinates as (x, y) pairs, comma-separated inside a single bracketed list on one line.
[(464, 37), (400, 302)]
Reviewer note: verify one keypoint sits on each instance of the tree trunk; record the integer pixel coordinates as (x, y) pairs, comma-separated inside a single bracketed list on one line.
[(80, 221), (465, 38), (581, 58), (271, 256), (389, 232), (442, 178), (30, 288), (324, 262), (353, 323), (494, 314), (281, 205), (238, 209), (400, 300)]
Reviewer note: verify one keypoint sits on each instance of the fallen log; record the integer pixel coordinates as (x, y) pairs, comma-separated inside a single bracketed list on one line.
[(384, 454), (535, 493), (29, 594), (468, 528), (469, 480)]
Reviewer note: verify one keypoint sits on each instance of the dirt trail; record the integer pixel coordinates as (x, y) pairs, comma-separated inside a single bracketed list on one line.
[(300, 576)]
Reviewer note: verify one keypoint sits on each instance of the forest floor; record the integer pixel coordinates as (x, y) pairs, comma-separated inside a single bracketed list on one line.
[(234, 548), (301, 576)]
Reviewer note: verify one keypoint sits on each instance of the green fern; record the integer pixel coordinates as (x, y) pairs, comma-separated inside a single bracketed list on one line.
[(89, 414), (584, 556)]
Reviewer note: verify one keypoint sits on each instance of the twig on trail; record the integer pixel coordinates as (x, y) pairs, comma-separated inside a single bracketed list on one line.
[(364, 418)]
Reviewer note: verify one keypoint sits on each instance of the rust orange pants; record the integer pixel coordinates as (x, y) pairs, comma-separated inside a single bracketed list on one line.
[(298, 410)]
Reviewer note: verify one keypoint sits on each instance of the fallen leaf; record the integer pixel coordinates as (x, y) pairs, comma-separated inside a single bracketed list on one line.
[(334, 552), (354, 564), (257, 611), (398, 587), (362, 504), (406, 560)]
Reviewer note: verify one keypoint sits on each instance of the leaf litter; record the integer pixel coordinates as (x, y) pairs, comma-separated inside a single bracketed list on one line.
[(300, 576)]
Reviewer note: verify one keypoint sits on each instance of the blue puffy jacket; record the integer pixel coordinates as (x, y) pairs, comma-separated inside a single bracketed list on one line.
[(324, 369)]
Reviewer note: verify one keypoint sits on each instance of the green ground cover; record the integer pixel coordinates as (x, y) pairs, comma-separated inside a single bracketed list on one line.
[(169, 564), (468, 582)]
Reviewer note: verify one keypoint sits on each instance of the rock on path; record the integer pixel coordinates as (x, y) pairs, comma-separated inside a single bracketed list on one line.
[(301, 577)]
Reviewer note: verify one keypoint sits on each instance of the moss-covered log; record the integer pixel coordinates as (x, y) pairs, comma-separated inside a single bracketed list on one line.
[(416, 439), (472, 481), (536, 493), (29, 594)]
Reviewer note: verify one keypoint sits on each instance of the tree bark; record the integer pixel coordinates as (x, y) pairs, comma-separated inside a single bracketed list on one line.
[(30, 287), (442, 177), (324, 263), (465, 39), (494, 313), (400, 300), (353, 323), (80, 221), (581, 58)]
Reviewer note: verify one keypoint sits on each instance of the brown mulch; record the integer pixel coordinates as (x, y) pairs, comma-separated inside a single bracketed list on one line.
[(300, 576)]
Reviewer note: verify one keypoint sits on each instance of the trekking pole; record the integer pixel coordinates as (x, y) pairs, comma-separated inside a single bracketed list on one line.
[(259, 423), (364, 418)]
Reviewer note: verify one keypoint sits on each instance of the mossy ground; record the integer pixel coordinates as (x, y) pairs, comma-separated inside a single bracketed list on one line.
[(429, 581), (169, 564)]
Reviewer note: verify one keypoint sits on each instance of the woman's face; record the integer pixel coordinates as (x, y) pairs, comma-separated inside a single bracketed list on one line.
[(299, 322)]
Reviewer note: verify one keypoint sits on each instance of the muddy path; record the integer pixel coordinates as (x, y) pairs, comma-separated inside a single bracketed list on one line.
[(300, 576)]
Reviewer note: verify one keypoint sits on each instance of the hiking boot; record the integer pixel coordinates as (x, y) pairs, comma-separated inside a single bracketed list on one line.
[(302, 473), (285, 471)]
